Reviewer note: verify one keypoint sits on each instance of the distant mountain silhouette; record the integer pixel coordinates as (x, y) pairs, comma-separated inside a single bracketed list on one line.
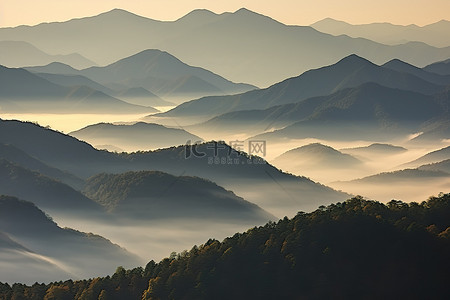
[(402, 175), (317, 156), (442, 68), (248, 177), (375, 149), (401, 184), (349, 72), (16, 54), (442, 166), (401, 66), (267, 52), (22, 91), (45, 192), (432, 157), (53, 68), (139, 136), (82, 254), (433, 34), (18, 157), (154, 195)]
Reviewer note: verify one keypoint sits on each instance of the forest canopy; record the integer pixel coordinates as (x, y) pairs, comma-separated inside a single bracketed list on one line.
[(355, 249)]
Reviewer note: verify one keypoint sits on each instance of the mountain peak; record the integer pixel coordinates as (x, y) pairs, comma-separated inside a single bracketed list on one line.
[(354, 59), (198, 15)]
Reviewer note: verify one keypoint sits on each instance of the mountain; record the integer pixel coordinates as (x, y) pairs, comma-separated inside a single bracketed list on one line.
[(313, 255), (22, 91), (16, 156), (157, 195), (349, 72), (401, 66), (412, 184), (22, 265), (316, 156), (242, 46), (442, 166), (163, 74), (81, 254), (74, 81), (386, 33), (67, 76), (381, 114), (141, 96), (139, 136), (16, 54), (442, 67), (250, 177), (403, 175), (432, 157), (319, 162), (53, 68), (45, 192), (375, 150)]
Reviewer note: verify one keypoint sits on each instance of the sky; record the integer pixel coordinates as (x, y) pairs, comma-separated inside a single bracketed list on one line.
[(298, 12)]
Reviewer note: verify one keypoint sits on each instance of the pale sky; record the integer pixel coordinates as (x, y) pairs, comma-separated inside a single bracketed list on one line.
[(299, 12)]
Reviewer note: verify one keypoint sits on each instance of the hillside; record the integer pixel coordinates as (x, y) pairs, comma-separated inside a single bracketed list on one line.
[(441, 67), (149, 195), (81, 254), (442, 166), (18, 157), (249, 177), (22, 265), (315, 255), (432, 157), (137, 137), (45, 192), (411, 184)]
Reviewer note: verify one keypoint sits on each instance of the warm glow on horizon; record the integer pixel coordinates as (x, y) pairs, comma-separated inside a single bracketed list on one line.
[(304, 12)]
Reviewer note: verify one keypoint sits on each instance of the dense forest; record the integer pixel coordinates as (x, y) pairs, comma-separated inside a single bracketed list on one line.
[(357, 249)]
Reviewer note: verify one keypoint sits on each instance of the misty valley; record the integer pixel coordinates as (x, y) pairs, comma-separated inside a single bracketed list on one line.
[(224, 156)]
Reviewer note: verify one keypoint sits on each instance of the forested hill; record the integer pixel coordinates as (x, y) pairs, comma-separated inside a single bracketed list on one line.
[(358, 249)]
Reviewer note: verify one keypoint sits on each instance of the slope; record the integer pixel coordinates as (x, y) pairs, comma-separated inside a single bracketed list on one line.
[(45, 192), (156, 195), (83, 254), (139, 136), (249, 177)]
